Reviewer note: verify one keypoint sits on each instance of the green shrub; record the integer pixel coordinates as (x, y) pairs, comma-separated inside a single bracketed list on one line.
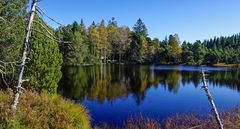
[(42, 111), (44, 67)]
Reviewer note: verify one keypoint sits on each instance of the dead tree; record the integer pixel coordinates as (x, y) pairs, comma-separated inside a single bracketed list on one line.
[(24, 56), (34, 10), (210, 98)]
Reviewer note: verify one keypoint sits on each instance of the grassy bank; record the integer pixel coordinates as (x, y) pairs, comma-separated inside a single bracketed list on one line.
[(231, 120), (226, 65), (42, 111)]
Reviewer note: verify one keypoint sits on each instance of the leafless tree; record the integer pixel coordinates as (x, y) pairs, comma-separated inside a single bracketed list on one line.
[(210, 98)]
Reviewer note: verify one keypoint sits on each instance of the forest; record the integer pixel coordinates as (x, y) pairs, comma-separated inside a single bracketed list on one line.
[(98, 43), (111, 43)]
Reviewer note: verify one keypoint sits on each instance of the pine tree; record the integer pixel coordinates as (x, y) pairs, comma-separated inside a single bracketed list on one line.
[(154, 48), (198, 52), (44, 67), (140, 28), (12, 28), (86, 43), (79, 51), (187, 54), (103, 41), (12, 31), (113, 38)]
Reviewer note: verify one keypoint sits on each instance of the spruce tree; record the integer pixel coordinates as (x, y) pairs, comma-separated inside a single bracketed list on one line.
[(140, 28)]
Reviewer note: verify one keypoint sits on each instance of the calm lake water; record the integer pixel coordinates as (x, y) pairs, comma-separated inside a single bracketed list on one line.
[(113, 93)]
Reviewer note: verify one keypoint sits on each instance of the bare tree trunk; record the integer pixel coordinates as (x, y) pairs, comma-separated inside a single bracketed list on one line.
[(119, 57), (210, 98), (24, 57), (105, 55), (101, 56)]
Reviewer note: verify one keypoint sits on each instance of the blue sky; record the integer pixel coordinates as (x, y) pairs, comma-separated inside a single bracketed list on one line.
[(191, 19)]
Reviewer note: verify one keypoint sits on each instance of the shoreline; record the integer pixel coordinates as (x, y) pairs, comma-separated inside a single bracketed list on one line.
[(213, 65)]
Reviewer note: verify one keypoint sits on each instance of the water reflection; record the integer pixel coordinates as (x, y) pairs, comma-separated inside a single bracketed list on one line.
[(111, 82)]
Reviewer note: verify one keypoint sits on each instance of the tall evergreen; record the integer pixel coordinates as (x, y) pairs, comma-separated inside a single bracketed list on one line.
[(113, 38), (79, 50), (12, 28), (103, 45), (187, 54), (44, 67), (140, 28)]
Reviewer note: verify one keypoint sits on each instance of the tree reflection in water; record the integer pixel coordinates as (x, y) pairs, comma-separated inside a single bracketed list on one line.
[(109, 82)]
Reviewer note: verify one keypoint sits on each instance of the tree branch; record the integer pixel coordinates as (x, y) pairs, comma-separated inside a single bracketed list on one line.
[(1, 18), (3, 70), (52, 37), (51, 34), (43, 13)]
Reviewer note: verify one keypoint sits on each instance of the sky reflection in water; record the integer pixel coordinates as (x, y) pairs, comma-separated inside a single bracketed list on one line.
[(112, 93)]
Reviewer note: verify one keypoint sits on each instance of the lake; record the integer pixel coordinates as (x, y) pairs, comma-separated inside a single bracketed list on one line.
[(113, 93)]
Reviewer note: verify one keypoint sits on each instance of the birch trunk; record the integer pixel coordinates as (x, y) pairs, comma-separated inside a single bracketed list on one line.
[(210, 98), (24, 57)]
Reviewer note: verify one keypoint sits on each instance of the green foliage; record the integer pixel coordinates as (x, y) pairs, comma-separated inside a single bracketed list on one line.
[(42, 111), (134, 50), (113, 40), (173, 49), (12, 28), (94, 40), (140, 28), (114, 43), (76, 52), (187, 54), (79, 50), (44, 66), (103, 41), (218, 50), (119, 43), (124, 42)]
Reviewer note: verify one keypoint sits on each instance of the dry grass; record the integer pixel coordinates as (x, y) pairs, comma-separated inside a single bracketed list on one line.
[(139, 122), (226, 65), (42, 111), (231, 120)]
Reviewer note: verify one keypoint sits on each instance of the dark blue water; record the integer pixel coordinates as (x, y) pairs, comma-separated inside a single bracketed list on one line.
[(113, 93)]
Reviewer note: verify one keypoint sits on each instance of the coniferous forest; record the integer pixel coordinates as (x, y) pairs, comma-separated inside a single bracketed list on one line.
[(108, 42)]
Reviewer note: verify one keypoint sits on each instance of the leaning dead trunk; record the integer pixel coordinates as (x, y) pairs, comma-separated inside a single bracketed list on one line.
[(24, 57), (210, 98)]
